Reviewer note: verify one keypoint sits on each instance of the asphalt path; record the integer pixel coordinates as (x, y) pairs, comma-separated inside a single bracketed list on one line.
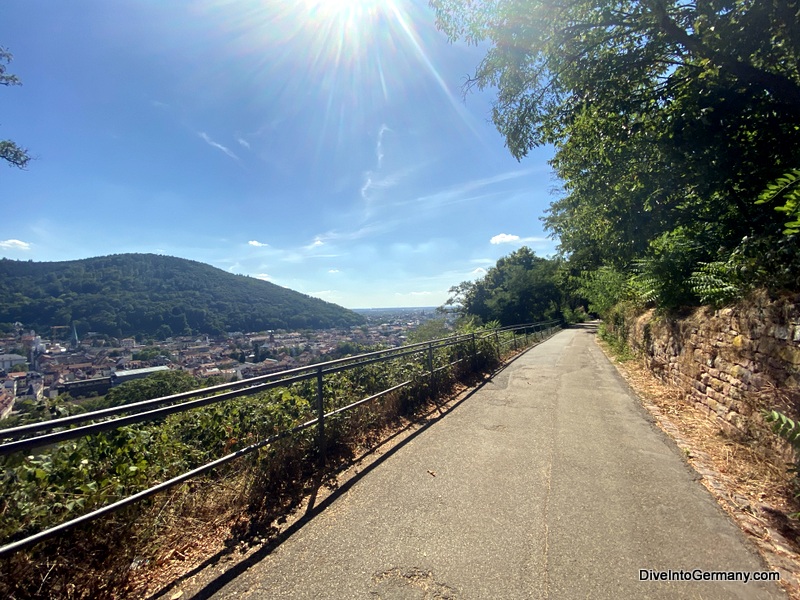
[(550, 481)]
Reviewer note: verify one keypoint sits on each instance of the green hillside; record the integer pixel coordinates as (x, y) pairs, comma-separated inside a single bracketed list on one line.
[(125, 294)]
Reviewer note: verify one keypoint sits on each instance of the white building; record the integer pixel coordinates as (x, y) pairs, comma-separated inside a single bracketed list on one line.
[(9, 360)]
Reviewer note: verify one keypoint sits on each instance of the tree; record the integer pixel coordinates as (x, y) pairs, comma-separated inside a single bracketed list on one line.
[(520, 288), (14, 155), (550, 59), (667, 115)]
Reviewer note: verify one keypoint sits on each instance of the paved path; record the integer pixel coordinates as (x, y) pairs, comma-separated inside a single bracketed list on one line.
[(550, 482)]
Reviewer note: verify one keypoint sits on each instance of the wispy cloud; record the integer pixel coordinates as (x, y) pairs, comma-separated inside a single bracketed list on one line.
[(373, 183), (333, 270), (367, 185), (479, 272), (258, 244), (508, 238), (15, 245), (379, 145), (243, 142), (216, 145), (463, 191), (357, 234), (263, 276)]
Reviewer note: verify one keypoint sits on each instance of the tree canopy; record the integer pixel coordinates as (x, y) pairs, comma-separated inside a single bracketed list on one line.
[(669, 118), (520, 288), (10, 152)]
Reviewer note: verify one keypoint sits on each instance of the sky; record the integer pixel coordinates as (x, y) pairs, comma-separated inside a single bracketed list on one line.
[(323, 145)]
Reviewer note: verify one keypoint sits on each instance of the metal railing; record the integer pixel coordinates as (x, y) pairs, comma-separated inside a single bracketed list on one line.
[(47, 433)]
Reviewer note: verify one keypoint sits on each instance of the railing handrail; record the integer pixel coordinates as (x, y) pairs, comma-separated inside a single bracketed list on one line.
[(221, 393), (247, 386)]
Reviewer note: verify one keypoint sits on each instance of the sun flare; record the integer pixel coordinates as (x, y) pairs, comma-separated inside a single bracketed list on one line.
[(360, 56)]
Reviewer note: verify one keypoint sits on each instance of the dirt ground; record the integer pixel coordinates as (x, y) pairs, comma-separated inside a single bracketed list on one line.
[(755, 490)]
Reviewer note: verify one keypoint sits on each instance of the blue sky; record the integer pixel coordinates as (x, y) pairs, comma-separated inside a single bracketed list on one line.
[(322, 145)]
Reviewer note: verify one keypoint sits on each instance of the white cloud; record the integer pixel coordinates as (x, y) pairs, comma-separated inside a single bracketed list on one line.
[(333, 270), (415, 294), (507, 238), (15, 245), (479, 272), (263, 276), (316, 243), (258, 244), (216, 145), (504, 238), (243, 142)]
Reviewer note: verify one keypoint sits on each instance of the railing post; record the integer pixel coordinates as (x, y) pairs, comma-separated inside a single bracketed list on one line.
[(474, 354), (430, 369), (526, 336), (320, 419)]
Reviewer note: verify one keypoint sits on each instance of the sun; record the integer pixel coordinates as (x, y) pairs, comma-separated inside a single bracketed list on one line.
[(350, 14)]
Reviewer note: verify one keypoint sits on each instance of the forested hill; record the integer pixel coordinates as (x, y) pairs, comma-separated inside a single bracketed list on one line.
[(126, 294)]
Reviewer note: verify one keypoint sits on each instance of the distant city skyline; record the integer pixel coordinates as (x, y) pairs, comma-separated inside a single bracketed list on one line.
[(323, 146)]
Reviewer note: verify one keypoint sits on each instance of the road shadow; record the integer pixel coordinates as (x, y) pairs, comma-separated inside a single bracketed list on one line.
[(590, 326), (370, 459)]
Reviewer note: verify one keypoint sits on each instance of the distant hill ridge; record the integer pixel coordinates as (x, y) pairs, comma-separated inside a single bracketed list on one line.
[(125, 294)]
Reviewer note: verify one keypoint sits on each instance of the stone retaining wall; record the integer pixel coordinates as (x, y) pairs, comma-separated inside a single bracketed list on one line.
[(733, 362)]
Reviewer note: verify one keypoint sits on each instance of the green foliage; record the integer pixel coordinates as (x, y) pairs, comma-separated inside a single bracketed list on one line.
[(603, 288), (789, 430), (617, 343), (520, 288), (615, 328), (153, 295), (156, 385), (787, 188), (76, 477), (429, 330), (715, 283), (148, 353), (784, 427), (662, 276)]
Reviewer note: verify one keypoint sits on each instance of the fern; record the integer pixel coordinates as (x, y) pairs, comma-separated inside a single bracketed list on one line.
[(716, 283), (784, 427), (787, 188)]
